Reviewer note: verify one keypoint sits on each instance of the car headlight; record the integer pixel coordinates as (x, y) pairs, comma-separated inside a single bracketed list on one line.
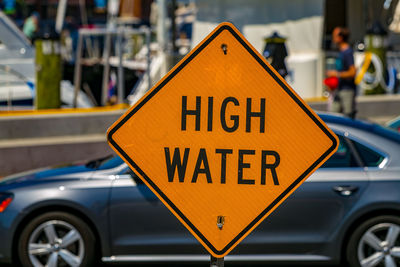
[(5, 200)]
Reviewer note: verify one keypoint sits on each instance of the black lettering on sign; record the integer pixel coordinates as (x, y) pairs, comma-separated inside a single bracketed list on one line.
[(210, 113), (272, 167), (186, 112), (234, 118), (202, 160), (250, 114), (177, 163), (223, 153), (229, 122), (242, 165)]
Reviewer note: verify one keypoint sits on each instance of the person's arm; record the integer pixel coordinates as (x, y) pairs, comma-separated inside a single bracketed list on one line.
[(350, 73)]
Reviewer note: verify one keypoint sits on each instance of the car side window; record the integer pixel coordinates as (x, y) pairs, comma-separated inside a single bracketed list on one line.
[(342, 158), (369, 157)]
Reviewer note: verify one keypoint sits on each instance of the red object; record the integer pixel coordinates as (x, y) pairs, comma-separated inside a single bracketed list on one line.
[(332, 82), (4, 204)]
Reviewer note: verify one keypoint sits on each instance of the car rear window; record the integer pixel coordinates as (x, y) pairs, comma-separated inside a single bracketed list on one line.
[(370, 157), (342, 158)]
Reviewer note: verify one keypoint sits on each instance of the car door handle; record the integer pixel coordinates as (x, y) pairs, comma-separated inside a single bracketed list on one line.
[(345, 190)]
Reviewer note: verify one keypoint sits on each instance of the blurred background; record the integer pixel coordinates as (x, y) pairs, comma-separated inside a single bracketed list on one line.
[(69, 68)]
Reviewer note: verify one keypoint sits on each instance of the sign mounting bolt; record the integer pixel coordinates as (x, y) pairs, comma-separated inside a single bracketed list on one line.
[(224, 48), (220, 221)]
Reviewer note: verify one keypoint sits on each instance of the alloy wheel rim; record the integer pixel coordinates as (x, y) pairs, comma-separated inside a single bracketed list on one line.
[(56, 243), (380, 246)]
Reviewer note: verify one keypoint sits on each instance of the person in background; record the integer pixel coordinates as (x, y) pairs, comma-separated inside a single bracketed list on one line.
[(31, 25), (344, 95), (275, 52), (69, 40)]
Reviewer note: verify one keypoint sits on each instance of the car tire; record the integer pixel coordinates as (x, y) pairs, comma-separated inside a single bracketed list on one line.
[(56, 239), (375, 241)]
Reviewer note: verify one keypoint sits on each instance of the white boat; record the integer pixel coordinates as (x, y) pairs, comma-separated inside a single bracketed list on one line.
[(17, 70)]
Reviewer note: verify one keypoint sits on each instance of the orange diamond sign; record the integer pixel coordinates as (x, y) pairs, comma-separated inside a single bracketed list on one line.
[(222, 140)]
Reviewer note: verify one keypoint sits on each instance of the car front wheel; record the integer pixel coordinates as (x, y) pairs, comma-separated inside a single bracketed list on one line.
[(56, 239), (376, 242)]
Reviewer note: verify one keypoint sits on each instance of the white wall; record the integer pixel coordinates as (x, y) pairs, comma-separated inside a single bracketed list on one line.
[(300, 21)]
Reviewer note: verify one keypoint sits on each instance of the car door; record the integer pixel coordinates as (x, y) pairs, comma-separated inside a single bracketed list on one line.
[(141, 224), (309, 217)]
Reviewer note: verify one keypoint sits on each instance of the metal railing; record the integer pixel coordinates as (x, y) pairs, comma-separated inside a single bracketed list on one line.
[(119, 34)]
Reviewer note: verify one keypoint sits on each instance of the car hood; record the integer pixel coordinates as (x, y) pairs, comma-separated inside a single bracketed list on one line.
[(71, 171)]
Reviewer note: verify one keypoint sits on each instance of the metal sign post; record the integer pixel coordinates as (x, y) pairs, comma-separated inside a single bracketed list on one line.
[(216, 262)]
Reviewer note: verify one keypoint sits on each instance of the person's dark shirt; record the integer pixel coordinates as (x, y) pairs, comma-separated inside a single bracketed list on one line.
[(346, 60)]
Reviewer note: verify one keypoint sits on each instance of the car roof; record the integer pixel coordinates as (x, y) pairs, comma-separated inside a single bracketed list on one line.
[(361, 125)]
